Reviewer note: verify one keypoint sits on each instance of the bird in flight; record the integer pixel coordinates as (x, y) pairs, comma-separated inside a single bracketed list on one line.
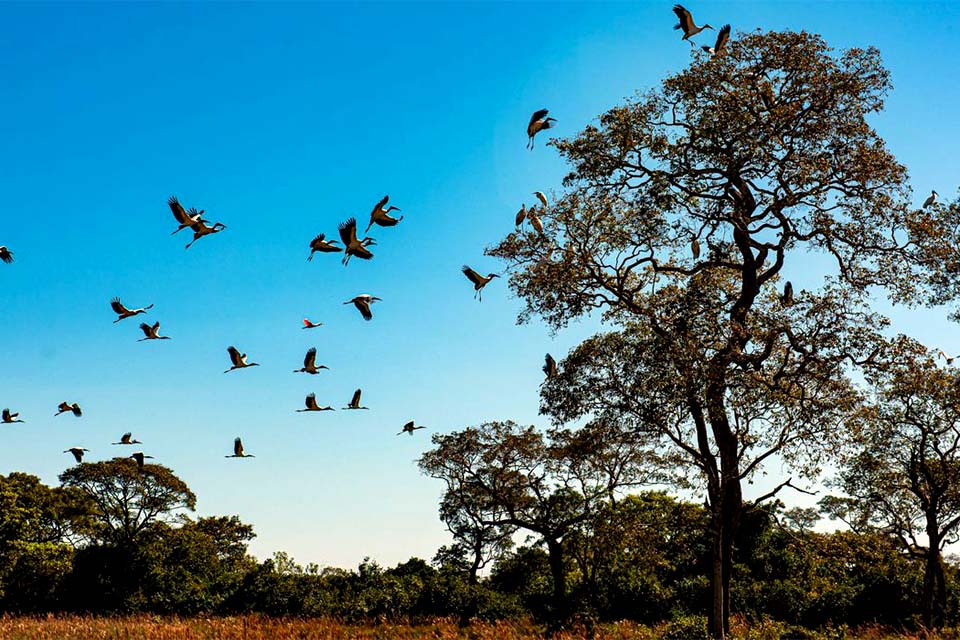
[(184, 218), (479, 282), (238, 450), (362, 303), (381, 214), (126, 439), (6, 255), (355, 401), (239, 360), (538, 122), (929, 202), (311, 325), (310, 363), (354, 247), (139, 457), (686, 23), (200, 229), (948, 359), (151, 332), (124, 312), (549, 366), (321, 244), (409, 428), (722, 36), (9, 418), (77, 453), (311, 404), (65, 407)]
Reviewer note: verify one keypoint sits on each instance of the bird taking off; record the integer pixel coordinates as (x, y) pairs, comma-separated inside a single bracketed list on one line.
[(321, 244), (200, 229), (311, 325), (362, 303), (184, 218), (6, 255), (151, 332), (311, 404), (722, 36), (409, 428), (786, 299), (124, 312), (354, 247), (355, 401), (77, 453), (310, 363), (239, 360), (931, 200), (538, 122), (139, 457), (65, 407), (948, 359), (381, 214), (9, 418), (238, 450), (126, 439), (549, 366), (479, 282), (686, 23)]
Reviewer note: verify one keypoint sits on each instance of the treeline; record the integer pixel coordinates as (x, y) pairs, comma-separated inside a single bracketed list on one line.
[(79, 548)]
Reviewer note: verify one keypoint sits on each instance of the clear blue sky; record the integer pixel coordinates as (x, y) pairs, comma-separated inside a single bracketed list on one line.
[(281, 120)]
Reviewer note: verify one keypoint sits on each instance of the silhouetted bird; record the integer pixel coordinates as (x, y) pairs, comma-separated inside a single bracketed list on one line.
[(9, 418), (321, 244), (77, 453), (381, 214), (239, 360), (355, 401), (549, 366), (65, 407), (538, 122), (6, 255), (479, 282), (786, 299), (126, 439), (362, 303), (238, 450), (409, 428), (124, 312), (353, 246), (686, 23), (139, 457), (151, 332), (310, 363), (184, 218), (722, 36), (311, 403), (931, 200)]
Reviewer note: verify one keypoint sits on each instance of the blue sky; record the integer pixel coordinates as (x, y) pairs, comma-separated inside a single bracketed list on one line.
[(282, 120)]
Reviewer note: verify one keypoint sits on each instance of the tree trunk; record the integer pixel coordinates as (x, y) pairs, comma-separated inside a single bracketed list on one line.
[(934, 585), (558, 571)]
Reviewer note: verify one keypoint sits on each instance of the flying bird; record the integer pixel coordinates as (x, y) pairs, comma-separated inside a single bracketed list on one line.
[(321, 244), (9, 418), (409, 428), (311, 325), (185, 218), (139, 457), (239, 360), (310, 363), (722, 36), (362, 303), (355, 401), (200, 229), (686, 23), (538, 122), (542, 198), (77, 453), (931, 200), (238, 450), (521, 215), (311, 403), (65, 407), (479, 282), (549, 366), (151, 332), (381, 214), (354, 247), (124, 312), (6, 255), (786, 299), (126, 439), (949, 359)]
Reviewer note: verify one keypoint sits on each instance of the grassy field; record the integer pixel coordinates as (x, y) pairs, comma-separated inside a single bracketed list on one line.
[(262, 628)]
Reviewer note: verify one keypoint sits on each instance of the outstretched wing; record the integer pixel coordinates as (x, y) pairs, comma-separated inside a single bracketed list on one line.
[(364, 307), (177, 210), (348, 231), (6, 415), (310, 360), (356, 399), (146, 329), (686, 20), (234, 355), (118, 307), (538, 115), (472, 275), (722, 38), (125, 438), (311, 401), (237, 447)]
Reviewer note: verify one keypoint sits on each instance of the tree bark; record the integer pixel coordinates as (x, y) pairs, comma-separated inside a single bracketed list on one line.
[(559, 574), (934, 584)]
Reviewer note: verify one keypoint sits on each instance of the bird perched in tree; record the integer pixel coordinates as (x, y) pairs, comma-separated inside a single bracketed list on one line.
[(139, 457), (538, 122), (65, 407), (541, 197), (381, 214), (362, 303), (238, 450), (124, 312), (151, 332), (479, 282), (931, 200), (311, 403), (9, 418), (310, 363), (6, 255), (686, 23), (321, 244), (535, 221), (355, 401), (126, 439), (311, 325), (786, 299), (695, 248), (521, 215), (354, 247), (200, 229), (77, 453), (184, 218), (239, 360), (549, 366), (722, 36), (409, 428)]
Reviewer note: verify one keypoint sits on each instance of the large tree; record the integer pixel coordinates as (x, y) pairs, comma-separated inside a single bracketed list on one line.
[(681, 214)]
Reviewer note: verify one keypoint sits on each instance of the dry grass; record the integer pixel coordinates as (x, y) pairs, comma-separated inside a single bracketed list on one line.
[(263, 628)]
